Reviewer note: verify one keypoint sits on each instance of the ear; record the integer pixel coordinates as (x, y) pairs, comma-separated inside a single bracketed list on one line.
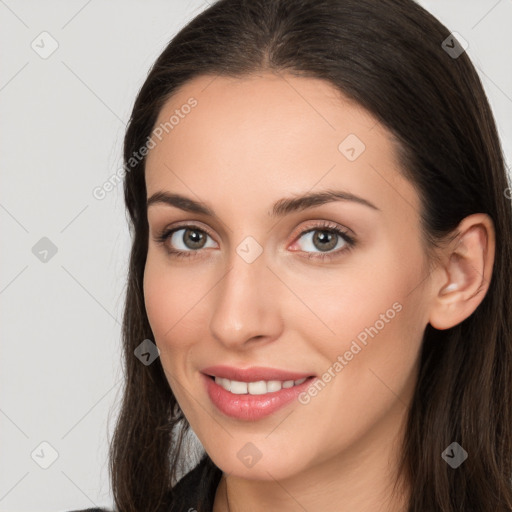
[(462, 279)]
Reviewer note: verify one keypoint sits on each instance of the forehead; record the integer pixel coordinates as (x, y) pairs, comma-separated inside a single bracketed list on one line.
[(270, 132), (264, 111)]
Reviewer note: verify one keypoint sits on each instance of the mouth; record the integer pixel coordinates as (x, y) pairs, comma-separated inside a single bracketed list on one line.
[(252, 394), (254, 374), (259, 387)]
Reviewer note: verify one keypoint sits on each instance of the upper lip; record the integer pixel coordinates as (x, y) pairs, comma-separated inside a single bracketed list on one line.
[(253, 374)]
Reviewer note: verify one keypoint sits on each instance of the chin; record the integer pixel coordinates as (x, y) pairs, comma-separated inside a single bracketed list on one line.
[(269, 467)]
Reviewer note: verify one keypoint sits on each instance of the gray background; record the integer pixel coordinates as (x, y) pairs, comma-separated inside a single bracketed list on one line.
[(62, 120)]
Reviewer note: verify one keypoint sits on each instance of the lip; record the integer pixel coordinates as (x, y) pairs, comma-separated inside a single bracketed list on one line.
[(248, 407), (253, 373)]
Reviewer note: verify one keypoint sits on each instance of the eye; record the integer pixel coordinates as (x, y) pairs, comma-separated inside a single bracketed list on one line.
[(186, 241), (325, 238), (183, 241)]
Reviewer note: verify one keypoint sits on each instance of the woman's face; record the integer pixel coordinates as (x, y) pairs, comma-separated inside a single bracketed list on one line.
[(253, 289)]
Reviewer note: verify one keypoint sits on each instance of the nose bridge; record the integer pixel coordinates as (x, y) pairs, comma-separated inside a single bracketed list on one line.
[(244, 307)]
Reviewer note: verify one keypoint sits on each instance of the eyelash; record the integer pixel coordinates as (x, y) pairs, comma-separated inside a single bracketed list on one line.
[(162, 237)]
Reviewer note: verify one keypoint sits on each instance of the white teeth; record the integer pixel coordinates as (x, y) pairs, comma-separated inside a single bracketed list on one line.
[(239, 388), (273, 385), (256, 388), (225, 383)]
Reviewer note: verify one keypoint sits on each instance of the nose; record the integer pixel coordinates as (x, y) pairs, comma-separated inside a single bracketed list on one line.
[(246, 309)]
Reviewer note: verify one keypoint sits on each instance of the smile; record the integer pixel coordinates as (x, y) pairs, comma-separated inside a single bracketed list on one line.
[(253, 400), (259, 387)]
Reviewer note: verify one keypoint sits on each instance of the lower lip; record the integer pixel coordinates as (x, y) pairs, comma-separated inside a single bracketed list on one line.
[(251, 407)]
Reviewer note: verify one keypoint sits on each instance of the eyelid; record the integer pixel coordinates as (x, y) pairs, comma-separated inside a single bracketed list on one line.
[(318, 224), (300, 230), (346, 234), (187, 224)]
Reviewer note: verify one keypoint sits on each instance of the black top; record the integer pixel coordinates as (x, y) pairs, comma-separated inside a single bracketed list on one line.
[(198, 485)]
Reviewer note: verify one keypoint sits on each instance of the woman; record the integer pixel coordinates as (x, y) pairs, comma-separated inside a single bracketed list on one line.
[(319, 281)]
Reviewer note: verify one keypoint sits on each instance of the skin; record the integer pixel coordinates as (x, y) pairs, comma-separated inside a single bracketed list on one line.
[(249, 142)]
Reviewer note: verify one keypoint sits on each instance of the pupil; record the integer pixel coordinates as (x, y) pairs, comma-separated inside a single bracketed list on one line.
[(323, 237), (196, 238)]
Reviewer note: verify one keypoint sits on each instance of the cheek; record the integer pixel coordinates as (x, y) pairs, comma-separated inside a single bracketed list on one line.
[(159, 298), (166, 299), (370, 363), (366, 290), (172, 299), (175, 298), (373, 317)]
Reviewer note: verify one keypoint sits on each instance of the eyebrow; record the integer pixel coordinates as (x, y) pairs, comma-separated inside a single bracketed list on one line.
[(280, 208)]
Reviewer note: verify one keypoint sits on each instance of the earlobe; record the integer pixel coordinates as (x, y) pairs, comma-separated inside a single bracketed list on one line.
[(466, 275)]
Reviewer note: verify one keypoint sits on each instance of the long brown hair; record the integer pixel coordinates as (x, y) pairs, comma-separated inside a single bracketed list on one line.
[(387, 55)]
